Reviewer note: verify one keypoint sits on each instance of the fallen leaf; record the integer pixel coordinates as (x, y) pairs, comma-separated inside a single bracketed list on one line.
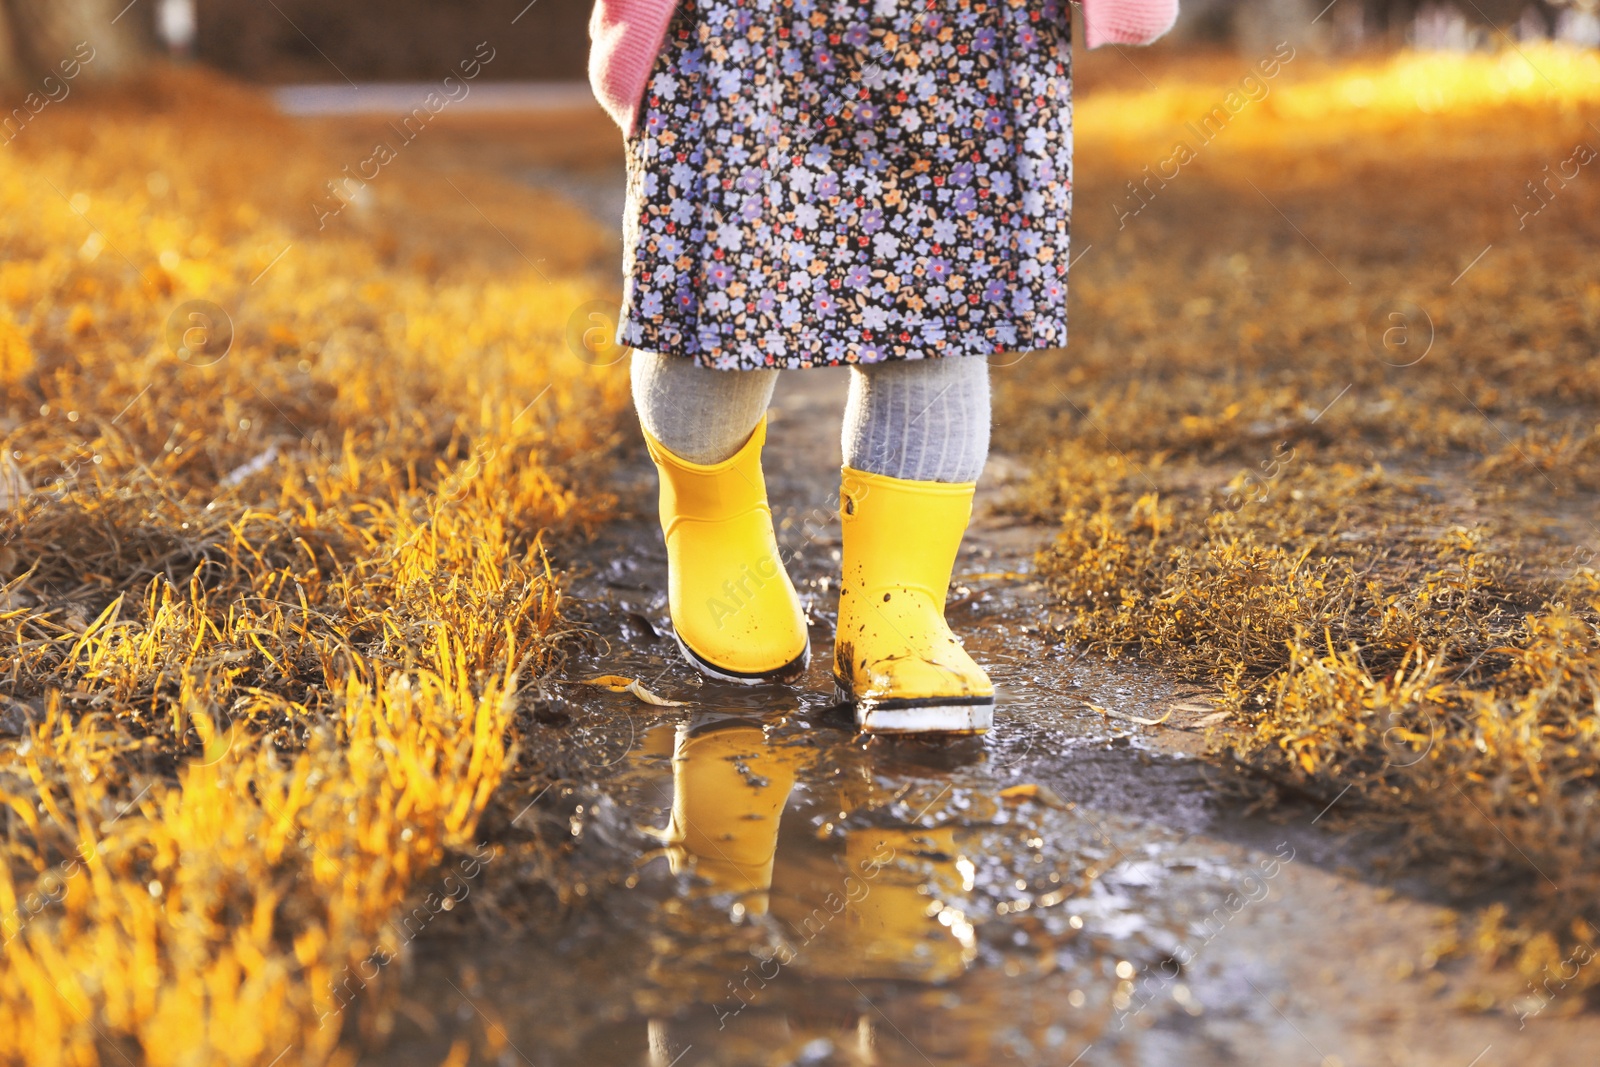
[(614, 682), (1129, 718), (618, 684), (1016, 794)]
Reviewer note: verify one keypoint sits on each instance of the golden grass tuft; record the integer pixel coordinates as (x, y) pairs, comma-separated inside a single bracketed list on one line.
[(1382, 557), (267, 612)]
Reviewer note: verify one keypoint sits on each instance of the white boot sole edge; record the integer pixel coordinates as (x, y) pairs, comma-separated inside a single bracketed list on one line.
[(921, 718)]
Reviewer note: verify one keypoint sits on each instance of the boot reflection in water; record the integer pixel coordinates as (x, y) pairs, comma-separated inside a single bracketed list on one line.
[(888, 907), (729, 787)]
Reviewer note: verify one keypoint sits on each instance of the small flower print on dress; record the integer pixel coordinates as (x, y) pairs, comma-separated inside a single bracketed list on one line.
[(814, 184)]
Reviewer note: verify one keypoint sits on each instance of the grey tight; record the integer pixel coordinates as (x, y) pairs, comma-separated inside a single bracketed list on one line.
[(923, 420), (698, 414)]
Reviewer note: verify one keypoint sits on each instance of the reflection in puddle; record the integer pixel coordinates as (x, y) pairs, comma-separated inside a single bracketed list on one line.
[(729, 787), (800, 852), (872, 901), (764, 887)]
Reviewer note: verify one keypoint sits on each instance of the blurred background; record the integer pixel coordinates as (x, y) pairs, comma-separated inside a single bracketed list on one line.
[(312, 41)]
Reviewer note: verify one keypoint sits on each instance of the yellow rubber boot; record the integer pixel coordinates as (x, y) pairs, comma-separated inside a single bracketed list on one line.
[(733, 607), (894, 656)]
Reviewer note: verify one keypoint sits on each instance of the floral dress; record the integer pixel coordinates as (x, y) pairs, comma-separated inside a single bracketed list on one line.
[(821, 182)]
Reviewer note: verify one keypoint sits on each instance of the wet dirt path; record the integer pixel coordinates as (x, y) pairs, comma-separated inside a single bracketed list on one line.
[(754, 883)]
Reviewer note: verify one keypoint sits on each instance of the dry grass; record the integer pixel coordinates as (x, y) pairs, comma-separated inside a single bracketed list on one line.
[(265, 618), (1385, 565), (268, 616)]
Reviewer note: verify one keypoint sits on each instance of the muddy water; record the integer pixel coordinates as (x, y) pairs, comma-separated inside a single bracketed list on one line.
[(757, 884)]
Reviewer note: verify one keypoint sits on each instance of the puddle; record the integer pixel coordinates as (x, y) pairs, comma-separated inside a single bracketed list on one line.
[(755, 883), (769, 888)]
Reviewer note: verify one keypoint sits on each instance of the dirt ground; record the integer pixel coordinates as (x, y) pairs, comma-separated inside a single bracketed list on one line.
[(1122, 908)]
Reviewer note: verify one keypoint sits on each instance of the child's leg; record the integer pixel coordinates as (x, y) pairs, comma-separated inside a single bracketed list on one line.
[(916, 435), (699, 414), (734, 610), (923, 420)]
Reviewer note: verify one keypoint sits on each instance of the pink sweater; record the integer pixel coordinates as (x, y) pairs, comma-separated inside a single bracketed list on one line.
[(627, 36)]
